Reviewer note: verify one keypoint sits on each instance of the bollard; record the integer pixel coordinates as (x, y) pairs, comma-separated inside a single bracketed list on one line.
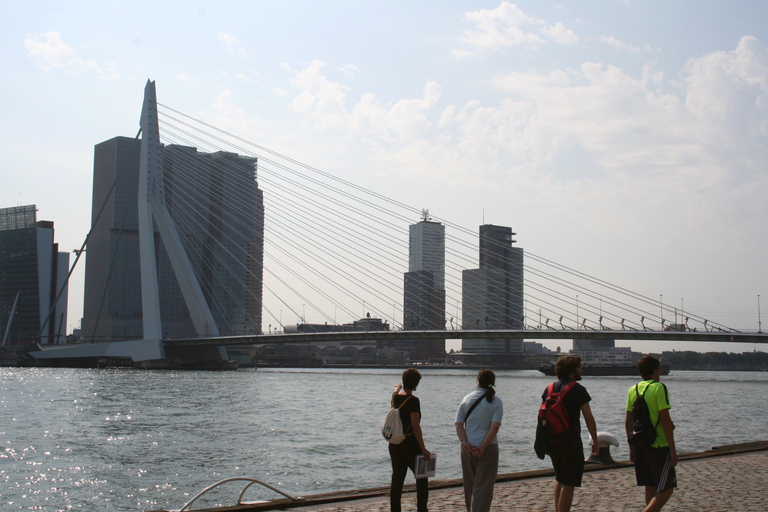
[(604, 440)]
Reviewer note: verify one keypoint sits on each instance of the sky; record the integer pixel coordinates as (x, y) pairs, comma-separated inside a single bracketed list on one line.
[(626, 139)]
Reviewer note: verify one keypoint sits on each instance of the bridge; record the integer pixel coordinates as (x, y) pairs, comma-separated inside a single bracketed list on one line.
[(469, 334), (316, 240)]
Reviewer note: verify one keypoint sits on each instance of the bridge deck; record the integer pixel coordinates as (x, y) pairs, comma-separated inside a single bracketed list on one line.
[(528, 334)]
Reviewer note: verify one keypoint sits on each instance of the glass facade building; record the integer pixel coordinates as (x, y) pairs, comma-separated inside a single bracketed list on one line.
[(492, 295), (32, 274), (217, 207), (424, 290)]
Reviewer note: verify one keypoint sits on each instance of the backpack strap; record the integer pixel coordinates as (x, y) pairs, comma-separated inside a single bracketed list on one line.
[(563, 391), (550, 389), (666, 391), (402, 404), (644, 390), (666, 394), (474, 404), (568, 387)]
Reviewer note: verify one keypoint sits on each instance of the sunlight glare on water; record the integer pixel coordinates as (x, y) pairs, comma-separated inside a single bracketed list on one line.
[(128, 440)]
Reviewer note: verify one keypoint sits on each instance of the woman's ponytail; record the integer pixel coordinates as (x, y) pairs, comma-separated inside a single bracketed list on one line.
[(486, 379)]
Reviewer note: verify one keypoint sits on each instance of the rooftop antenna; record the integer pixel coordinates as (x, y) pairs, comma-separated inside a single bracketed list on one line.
[(425, 215)]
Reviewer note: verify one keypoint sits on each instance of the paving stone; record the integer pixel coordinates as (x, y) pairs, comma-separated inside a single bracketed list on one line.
[(722, 484)]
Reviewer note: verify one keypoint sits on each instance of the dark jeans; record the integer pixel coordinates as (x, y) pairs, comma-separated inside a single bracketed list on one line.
[(403, 456)]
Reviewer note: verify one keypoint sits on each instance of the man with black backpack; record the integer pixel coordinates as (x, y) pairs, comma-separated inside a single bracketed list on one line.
[(650, 435), (559, 430)]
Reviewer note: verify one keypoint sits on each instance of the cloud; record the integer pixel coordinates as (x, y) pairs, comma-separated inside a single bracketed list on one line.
[(618, 45), (243, 77), (507, 26), (321, 99), (232, 44), (726, 94), (502, 27), (323, 103), (559, 34), (349, 70), (52, 52), (594, 144)]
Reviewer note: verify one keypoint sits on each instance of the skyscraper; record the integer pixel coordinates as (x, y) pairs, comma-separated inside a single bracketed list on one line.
[(426, 249), (218, 210), (497, 252), (492, 295), (424, 286), (32, 273)]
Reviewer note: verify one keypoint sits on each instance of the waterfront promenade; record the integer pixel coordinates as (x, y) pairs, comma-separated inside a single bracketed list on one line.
[(728, 483)]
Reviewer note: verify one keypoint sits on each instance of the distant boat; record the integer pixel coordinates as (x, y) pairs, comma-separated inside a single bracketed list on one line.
[(603, 370)]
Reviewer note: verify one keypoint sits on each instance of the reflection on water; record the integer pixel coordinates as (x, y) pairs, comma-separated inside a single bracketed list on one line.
[(128, 440)]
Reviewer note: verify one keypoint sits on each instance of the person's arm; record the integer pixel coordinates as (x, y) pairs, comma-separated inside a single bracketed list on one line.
[(591, 426), (398, 386), (628, 422), (669, 432), (417, 432), (462, 436), (489, 437)]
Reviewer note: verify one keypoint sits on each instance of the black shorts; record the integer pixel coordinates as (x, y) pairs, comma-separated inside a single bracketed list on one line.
[(652, 468), (569, 465)]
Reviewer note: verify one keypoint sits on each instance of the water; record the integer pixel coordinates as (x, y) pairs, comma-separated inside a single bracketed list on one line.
[(126, 440)]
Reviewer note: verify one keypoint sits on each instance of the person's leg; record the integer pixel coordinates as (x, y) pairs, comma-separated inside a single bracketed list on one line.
[(422, 484), (663, 477), (485, 478), (563, 497), (658, 500), (557, 460), (399, 470), (650, 492), (422, 494), (468, 474)]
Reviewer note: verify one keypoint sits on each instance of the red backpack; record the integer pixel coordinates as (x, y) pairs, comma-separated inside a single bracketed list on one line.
[(553, 419)]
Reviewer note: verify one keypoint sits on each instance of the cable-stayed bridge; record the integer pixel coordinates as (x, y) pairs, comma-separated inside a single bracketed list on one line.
[(325, 245)]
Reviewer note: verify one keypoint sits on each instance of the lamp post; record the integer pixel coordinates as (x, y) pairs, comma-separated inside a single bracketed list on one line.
[(577, 312), (759, 320), (661, 310)]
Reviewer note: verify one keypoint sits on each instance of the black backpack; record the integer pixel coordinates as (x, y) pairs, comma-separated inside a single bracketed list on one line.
[(643, 429)]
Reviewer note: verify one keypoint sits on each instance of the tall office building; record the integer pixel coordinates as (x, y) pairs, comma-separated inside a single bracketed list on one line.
[(426, 249), (497, 252), (424, 288), (218, 209), (32, 273), (492, 295)]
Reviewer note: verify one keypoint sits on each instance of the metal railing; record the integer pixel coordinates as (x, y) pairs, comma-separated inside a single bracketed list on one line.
[(250, 481)]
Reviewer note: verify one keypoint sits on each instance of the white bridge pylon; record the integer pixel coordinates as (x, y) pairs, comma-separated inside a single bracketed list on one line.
[(152, 208)]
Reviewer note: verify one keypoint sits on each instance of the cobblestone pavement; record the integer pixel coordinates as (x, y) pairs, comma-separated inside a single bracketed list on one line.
[(719, 484)]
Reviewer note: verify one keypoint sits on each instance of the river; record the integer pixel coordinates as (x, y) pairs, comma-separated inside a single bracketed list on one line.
[(130, 440)]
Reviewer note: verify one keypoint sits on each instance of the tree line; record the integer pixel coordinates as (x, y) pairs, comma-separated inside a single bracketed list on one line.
[(690, 360)]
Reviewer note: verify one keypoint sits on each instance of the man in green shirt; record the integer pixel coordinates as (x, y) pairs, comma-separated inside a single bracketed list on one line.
[(654, 464)]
